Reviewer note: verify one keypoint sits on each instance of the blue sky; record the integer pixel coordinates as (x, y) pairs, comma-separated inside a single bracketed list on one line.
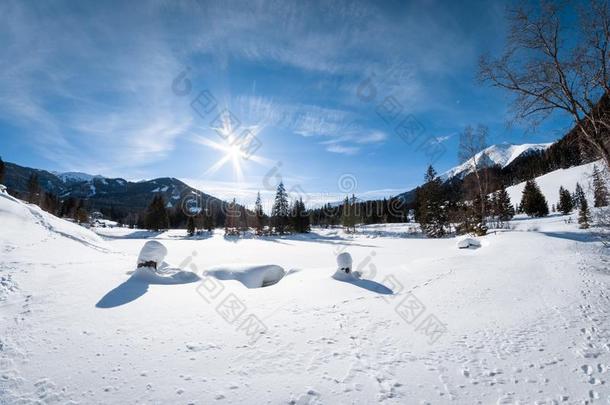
[(96, 87)]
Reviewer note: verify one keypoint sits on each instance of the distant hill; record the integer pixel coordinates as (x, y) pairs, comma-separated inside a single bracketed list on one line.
[(102, 192)]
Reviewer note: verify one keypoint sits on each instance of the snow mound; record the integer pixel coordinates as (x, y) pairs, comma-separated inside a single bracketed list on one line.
[(256, 276), (164, 276), (344, 267), (152, 251), (466, 243), (28, 223)]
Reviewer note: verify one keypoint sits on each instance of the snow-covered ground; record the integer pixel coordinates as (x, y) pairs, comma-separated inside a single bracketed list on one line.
[(523, 318)]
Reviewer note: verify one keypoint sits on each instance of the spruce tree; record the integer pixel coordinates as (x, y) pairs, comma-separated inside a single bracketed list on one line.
[(431, 212), (33, 189), (258, 215), (578, 196), (300, 217), (347, 218), (190, 226), (600, 191), (279, 212), (232, 219), (208, 219), (504, 207), (565, 205), (156, 217), (533, 201), (584, 217)]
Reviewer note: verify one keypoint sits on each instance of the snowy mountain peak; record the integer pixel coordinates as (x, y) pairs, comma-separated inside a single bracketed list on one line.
[(76, 176), (501, 155)]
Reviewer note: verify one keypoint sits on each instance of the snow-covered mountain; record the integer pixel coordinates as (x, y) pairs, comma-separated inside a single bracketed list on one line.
[(496, 155), (68, 177), (101, 192)]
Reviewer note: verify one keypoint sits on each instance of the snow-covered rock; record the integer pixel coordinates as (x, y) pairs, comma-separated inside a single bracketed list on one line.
[(344, 267), (152, 252), (252, 276), (466, 243)]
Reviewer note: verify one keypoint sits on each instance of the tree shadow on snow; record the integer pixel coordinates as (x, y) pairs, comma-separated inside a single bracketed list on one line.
[(370, 285), (137, 285), (575, 236)]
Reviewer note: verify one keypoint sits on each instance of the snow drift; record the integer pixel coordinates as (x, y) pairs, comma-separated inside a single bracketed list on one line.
[(256, 276), (466, 243)]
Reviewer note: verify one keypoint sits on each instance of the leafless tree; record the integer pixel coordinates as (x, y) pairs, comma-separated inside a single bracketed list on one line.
[(471, 143), (556, 63)]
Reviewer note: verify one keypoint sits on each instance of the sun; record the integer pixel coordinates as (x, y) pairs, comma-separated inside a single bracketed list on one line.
[(235, 152), (231, 153)]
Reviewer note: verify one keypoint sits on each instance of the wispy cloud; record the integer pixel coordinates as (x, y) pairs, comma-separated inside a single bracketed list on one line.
[(342, 149), (373, 137), (85, 101), (441, 139)]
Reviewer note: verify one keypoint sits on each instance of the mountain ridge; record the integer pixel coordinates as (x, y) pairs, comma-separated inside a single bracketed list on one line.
[(500, 154), (103, 192)]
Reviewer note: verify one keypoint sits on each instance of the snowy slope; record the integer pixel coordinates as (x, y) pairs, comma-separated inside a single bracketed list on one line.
[(526, 318), (549, 183), (22, 221), (501, 155)]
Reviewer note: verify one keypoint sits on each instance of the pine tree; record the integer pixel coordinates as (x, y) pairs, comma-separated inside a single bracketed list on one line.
[(279, 212), (2, 170), (578, 196), (600, 191), (300, 217), (190, 226), (504, 207), (431, 212), (584, 217), (243, 218), (533, 201), (232, 219), (348, 214), (33, 189), (566, 204), (208, 219), (258, 215), (80, 214), (156, 217)]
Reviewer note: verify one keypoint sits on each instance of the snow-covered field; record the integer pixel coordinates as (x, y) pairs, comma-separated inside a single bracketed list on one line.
[(524, 318)]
